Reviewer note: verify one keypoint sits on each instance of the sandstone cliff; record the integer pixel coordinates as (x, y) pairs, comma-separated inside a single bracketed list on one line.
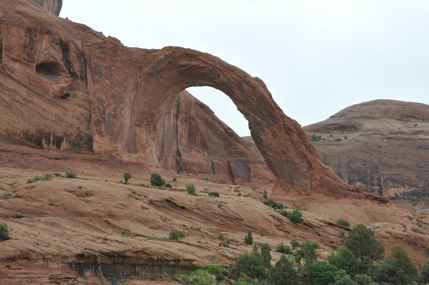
[(381, 145)]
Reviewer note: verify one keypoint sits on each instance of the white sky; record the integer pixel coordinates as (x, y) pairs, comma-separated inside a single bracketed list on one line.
[(316, 56)]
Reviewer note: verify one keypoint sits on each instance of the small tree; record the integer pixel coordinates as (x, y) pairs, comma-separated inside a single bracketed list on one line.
[(265, 194), (4, 232), (255, 264), (156, 180), (248, 238), (364, 247), (127, 176), (307, 252), (320, 273), (282, 248), (342, 278)]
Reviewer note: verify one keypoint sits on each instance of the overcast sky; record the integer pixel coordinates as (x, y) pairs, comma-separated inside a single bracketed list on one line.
[(316, 56)]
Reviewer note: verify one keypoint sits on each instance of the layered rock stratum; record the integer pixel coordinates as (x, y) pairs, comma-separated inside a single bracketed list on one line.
[(380, 145), (53, 6), (91, 93)]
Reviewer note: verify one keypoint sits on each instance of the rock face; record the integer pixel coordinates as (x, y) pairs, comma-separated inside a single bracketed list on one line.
[(193, 140), (53, 6), (386, 149), (92, 93)]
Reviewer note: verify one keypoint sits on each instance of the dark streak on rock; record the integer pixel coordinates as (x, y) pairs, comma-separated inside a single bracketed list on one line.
[(65, 48)]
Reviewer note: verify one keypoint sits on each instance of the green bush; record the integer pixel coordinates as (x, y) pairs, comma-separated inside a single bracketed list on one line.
[(265, 194), (191, 189), (174, 179), (47, 177), (71, 174), (363, 279), (274, 204), (294, 244), (156, 180), (424, 272), (127, 176), (177, 234), (343, 222), (168, 185), (214, 194), (199, 277), (342, 278), (248, 239), (282, 248), (295, 216), (57, 174), (4, 232)]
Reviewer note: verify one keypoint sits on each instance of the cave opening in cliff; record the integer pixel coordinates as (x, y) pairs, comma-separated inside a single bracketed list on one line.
[(223, 107), (50, 70)]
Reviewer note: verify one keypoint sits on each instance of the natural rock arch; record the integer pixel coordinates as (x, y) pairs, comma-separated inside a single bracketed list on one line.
[(285, 147)]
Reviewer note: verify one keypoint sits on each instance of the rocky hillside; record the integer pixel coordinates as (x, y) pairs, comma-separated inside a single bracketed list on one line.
[(380, 145), (53, 6)]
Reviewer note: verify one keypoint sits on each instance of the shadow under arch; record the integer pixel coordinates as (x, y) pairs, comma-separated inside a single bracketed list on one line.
[(285, 147)]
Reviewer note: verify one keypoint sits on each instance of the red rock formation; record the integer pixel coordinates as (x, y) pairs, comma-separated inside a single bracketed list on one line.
[(380, 145), (89, 92)]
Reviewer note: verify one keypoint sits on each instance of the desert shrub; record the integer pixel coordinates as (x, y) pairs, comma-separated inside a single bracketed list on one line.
[(127, 176), (214, 194), (156, 180), (320, 273), (344, 259), (295, 216), (168, 185), (174, 179), (47, 177), (283, 272), (57, 174), (265, 194), (4, 232), (294, 244), (33, 180), (282, 248), (343, 222), (248, 239), (71, 174), (364, 247), (274, 204), (191, 189), (177, 234)]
